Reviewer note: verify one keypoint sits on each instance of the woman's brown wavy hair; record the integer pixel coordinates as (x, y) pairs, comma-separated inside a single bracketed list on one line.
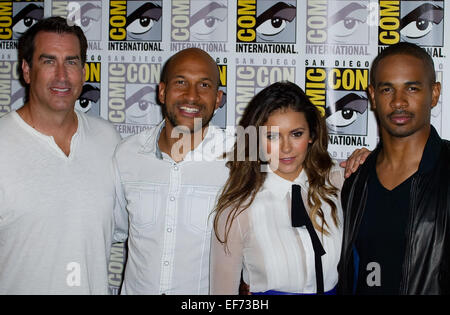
[(246, 177)]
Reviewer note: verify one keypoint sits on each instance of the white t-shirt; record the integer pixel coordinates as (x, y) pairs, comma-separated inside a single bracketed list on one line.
[(56, 211), (272, 254)]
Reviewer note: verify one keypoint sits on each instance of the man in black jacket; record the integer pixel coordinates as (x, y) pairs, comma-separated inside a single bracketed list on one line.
[(397, 205)]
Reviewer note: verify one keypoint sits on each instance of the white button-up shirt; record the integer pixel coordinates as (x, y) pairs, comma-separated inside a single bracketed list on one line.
[(168, 206), (272, 254)]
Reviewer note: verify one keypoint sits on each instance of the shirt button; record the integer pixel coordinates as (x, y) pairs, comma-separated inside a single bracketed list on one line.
[(166, 263), (169, 230), (172, 198), (175, 168)]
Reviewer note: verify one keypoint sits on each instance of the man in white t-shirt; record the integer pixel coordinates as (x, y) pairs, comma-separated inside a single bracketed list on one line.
[(56, 184)]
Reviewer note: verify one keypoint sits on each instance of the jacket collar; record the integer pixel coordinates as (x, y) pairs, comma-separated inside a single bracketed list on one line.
[(431, 152)]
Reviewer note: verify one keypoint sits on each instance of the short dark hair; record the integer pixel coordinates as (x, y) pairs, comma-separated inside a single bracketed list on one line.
[(405, 48), (54, 25)]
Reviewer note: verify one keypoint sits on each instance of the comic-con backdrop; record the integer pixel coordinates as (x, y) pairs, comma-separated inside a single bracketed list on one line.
[(325, 46)]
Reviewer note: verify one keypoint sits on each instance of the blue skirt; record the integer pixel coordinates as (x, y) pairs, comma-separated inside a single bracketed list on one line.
[(273, 292)]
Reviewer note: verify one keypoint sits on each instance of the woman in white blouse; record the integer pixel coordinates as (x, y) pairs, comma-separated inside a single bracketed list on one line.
[(254, 227)]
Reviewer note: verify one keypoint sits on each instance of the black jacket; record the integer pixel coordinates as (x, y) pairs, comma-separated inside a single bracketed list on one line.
[(426, 265)]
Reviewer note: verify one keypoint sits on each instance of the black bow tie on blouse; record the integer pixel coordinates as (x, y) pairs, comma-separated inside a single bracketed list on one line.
[(300, 218)]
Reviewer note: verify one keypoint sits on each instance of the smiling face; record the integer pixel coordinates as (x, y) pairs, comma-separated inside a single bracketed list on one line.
[(57, 75), (286, 142), (190, 91), (403, 96)]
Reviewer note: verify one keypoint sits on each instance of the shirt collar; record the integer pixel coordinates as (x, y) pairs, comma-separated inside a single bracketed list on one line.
[(210, 148), (281, 187), (215, 143), (150, 145)]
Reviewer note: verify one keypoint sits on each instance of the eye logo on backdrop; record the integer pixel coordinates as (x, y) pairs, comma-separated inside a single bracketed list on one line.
[(135, 25), (339, 94), (199, 23), (348, 22), (86, 14), (18, 16), (419, 22), (132, 92), (339, 27), (89, 99), (26, 15), (346, 113), (422, 23), (266, 26)]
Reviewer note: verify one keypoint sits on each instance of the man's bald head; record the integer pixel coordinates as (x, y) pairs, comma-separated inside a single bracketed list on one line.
[(189, 53)]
